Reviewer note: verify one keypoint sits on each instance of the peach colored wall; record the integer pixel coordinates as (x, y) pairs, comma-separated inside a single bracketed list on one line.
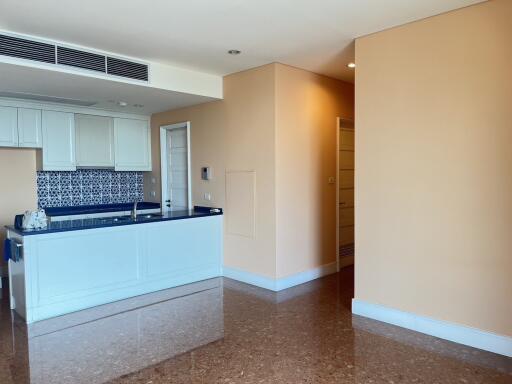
[(207, 143), (434, 167), (307, 106), (235, 134), (277, 123), (18, 191), (249, 98)]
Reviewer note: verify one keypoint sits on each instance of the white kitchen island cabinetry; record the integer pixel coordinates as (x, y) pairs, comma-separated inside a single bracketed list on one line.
[(63, 272)]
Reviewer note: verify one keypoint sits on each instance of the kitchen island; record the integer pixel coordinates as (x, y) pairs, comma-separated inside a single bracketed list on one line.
[(76, 264)]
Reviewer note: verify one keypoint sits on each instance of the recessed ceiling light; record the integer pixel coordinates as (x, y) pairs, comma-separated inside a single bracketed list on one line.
[(122, 103), (234, 52), (351, 65)]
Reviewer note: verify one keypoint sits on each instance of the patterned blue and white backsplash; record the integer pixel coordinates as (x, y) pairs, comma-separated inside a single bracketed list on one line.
[(88, 187)]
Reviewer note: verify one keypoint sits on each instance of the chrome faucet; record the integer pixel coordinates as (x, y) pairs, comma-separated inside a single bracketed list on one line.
[(134, 211)]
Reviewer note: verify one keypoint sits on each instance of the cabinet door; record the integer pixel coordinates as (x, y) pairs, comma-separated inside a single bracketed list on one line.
[(29, 128), (58, 141), (132, 145), (94, 141), (8, 127)]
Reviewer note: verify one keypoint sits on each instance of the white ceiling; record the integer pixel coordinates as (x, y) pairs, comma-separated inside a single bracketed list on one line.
[(17, 80), (314, 35)]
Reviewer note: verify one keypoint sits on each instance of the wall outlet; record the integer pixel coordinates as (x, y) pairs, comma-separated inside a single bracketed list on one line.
[(332, 180), (152, 194), (207, 196)]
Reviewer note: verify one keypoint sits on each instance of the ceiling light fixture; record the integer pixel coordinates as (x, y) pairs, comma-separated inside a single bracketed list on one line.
[(351, 65), (234, 52), (122, 103)]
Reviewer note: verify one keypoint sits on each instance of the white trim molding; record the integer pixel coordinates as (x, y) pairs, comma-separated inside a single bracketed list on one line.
[(279, 284), (457, 333)]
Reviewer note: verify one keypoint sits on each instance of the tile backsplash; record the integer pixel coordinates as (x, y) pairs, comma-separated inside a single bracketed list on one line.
[(88, 187)]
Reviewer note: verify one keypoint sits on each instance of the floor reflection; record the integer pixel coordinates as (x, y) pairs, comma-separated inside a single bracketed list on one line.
[(230, 332), (100, 350)]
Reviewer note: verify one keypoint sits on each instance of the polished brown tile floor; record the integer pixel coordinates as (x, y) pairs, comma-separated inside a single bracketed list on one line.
[(234, 333)]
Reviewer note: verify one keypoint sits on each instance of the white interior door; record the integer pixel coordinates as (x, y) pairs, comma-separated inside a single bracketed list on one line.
[(175, 171)]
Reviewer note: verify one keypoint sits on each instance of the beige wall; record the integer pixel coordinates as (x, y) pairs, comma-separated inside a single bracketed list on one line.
[(307, 106), (434, 167), (18, 191), (207, 143), (235, 134), (273, 120)]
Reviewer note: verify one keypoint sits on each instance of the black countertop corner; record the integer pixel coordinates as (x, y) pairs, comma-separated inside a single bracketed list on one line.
[(115, 221)]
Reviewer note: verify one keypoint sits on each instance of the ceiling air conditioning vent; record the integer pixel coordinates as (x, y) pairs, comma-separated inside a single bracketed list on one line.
[(125, 68), (27, 49), (80, 59), (18, 47)]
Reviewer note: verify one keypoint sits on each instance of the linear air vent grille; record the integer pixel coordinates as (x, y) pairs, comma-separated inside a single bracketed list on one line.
[(125, 68), (22, 48), (80, 59), (27, 49)]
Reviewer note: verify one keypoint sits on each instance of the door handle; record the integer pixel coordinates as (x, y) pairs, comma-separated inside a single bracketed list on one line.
[(167, 201), (168, 205)]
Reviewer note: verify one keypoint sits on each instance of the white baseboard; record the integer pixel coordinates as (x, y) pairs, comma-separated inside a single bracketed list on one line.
[(281, 283), (449, 331)]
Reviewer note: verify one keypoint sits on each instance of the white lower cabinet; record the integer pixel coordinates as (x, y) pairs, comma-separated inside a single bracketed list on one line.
[(132, 143), (58, 141), (30, 134), (94, 141), (65, 272), (8, 127)]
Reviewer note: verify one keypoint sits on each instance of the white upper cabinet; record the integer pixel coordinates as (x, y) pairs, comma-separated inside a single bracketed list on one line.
[(94, 141), (132, 143), (8, 127), (58, 141), (29, 128)]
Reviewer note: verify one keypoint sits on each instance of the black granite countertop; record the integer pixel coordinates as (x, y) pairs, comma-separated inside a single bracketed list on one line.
[(115, 221)]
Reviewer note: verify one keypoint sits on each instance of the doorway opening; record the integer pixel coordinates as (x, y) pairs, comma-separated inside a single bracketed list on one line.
[(345, 192), (175, 167)]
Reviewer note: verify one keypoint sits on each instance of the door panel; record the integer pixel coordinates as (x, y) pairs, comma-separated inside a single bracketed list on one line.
[(346, 160), (346, 217), (346, 235), (346, 198), (346, 179), (132, 145), (177, 168), (58, 141), (29, 128), (347, 139), (8, 127), (94, 141)]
